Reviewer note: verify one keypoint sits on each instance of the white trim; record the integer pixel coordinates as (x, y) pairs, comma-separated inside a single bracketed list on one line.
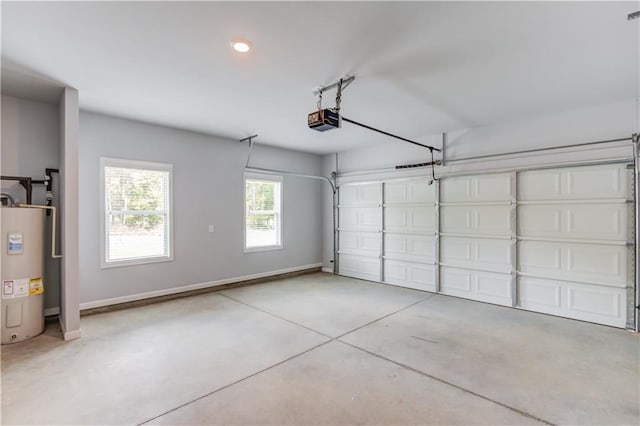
[(329, 270), (262, 248), (69, 335), (191, 287), (279, 214), (133, 164), (52, 311), (136, 261)]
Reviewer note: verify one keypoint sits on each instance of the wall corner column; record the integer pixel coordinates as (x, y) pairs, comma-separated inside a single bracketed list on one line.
[(69, 217)]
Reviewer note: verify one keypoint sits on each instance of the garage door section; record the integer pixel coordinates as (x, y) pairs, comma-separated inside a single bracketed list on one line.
[(409, 234), (557, 241), (477, 239), (360, 231), (575, 250)]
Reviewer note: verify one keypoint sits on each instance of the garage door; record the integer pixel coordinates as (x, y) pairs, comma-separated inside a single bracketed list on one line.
[(360, 226), (478, 237), (409, 242), (557, 241), (575, 253)]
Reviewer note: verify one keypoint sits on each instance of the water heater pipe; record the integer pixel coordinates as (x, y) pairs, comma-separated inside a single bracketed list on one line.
[(10, 198), (53, 225)]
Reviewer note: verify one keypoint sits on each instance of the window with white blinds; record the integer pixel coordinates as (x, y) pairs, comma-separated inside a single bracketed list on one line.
[(263, 212), (136, 201)]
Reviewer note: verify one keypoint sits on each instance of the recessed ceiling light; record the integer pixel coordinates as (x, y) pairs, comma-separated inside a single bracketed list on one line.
[(241, 45)]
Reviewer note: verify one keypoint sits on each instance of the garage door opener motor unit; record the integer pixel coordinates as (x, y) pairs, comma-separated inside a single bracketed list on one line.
[(329, 118), (324, 119)]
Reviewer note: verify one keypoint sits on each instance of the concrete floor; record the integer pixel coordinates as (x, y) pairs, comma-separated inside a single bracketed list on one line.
[(324, 350)]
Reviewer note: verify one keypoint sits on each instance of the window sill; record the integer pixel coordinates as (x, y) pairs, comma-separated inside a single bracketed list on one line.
[(134, 262), (262, 248)]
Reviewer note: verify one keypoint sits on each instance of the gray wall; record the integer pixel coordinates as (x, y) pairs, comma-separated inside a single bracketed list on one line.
[(30, 144), (208, 189)]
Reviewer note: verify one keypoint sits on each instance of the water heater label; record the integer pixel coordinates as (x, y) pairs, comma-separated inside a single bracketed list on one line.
[(15, 243), (12, 289), (35, 286), (7, 288)]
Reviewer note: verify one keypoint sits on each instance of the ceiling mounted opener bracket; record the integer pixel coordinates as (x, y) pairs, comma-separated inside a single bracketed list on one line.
[(346, 80), (250, 139)]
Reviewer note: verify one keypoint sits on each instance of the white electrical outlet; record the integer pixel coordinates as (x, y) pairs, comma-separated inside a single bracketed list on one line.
[(211, 228)]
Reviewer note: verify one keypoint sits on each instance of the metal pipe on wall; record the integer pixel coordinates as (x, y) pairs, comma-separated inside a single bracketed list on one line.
[(495, 170), (503, 154), (286, 173), (335, 232), (444, 144), (530, 151), (53, 225), (334, 175), (636, 188), (26, 182), (9, 197)]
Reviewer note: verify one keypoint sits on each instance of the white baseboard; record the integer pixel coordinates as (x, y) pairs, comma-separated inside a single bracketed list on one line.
[(52, 311), (191, 287), (329, 270), (69, 335)]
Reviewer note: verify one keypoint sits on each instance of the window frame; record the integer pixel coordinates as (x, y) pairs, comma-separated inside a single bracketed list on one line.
[(280, 214), (134, 164)]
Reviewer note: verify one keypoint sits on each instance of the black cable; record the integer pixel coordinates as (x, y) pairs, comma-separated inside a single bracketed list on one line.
[(431, 148)]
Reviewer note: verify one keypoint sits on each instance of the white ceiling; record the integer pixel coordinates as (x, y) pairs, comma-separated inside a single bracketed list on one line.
[(421, 67)]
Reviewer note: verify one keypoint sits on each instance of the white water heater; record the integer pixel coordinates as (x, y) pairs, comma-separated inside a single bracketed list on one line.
[(22, 273)]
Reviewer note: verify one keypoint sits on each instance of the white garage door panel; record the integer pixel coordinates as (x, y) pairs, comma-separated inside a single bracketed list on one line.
[(413, 248), (421, 277), (481, 188), (360, 218), (604, 305), (573, 227), (363, 243), (540, 185), (484, 254), (355, 195), (580, 221), (476, 220), (577, 183), (410, 219), (366, 268), (598, 264), (418, 191), (484, 286)]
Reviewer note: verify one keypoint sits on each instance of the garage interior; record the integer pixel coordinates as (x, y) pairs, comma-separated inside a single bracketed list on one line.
[(450, 238)]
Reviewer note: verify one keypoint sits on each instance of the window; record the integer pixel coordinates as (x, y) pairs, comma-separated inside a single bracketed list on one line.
[(263, 217), (136, 205)]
